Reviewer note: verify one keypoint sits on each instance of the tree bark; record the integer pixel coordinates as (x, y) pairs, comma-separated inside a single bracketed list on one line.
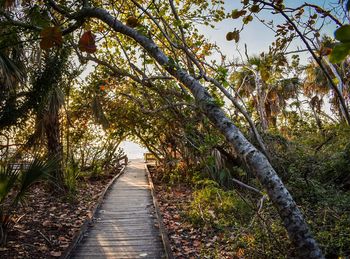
[(54, 145), (290, 214), (340, 86), (256, 134), (261, 98)]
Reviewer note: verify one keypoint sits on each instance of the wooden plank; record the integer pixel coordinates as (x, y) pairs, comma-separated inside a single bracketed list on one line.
[(149, 236), (78, 236), (112, 254), (125, 226), (162, 229), (127, 250), (121, 243)]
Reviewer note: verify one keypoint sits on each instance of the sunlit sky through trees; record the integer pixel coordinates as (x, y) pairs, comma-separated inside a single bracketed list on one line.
[(255, 35), (132, 150)]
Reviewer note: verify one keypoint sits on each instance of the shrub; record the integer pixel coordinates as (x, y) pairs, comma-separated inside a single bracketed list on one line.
[(214, 206), (14, 185)]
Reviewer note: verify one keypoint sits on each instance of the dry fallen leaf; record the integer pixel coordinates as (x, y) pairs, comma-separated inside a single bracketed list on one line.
[(62, 238), (56, 253), (196, 243), (46, 223), (89, 215)]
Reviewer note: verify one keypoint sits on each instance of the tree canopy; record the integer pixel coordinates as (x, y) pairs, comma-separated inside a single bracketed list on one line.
[(153, 77)]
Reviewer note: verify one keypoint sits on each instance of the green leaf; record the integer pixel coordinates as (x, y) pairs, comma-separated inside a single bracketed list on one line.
[(51, 36), (37, 169), (37, 17), (247, 19), (8, 177), (339, 52), (343, 33), (255, 8), (237, 13), (142, 30)]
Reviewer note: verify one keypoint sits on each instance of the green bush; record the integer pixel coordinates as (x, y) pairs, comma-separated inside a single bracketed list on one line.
[(71, 175), (214, 206)]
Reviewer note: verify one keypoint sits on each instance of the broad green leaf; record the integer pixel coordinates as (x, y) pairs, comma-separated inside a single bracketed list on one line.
[(51, 36), (8, 177), (343, 33), (237, 13), (37, 17), (247, 19), (230, 36), (339, 52), (255, 8)]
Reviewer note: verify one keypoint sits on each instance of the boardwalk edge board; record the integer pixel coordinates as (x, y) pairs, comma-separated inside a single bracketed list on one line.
[(80, 234), (162, 229)]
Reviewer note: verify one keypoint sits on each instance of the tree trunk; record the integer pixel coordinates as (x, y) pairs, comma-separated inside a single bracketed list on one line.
[(290, 214), (256, 134), (54, 145), (340, 86), (261, 97)]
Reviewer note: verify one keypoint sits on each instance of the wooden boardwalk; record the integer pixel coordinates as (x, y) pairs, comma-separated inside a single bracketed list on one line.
[(125, 225)]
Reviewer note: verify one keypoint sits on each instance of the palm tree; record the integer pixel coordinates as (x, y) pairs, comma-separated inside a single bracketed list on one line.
[(14, 185), (44, 97), (50, 98), (316, 87), (12, 70), (262, 82)]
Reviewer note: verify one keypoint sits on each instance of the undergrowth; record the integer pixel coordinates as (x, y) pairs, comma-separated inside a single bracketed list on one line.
[(315, 169)]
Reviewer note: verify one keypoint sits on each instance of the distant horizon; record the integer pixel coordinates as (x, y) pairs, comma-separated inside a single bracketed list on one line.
[(132, 149)]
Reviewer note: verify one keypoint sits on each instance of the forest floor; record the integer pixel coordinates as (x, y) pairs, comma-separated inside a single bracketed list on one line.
[(47, 224), (186, 239)]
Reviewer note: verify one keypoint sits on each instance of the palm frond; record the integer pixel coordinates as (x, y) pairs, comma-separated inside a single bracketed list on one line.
[(37, 170), (10, 73), (8, 178)]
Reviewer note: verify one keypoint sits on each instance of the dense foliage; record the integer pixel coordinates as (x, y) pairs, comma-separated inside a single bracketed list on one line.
[(73, 86)]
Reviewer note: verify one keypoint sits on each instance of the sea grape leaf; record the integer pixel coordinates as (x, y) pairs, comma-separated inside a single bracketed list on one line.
[(343, 33), (87, 42), (37, 17), (51, 37), (339, 52)]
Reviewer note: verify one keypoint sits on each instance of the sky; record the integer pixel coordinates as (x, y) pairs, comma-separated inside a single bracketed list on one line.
[(255, 34), (132, 149)]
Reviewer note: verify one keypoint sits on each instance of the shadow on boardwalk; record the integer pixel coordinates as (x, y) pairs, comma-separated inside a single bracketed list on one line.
[(125, 225)]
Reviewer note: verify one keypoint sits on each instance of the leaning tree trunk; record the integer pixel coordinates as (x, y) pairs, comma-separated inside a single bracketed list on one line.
[(290, 214)]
